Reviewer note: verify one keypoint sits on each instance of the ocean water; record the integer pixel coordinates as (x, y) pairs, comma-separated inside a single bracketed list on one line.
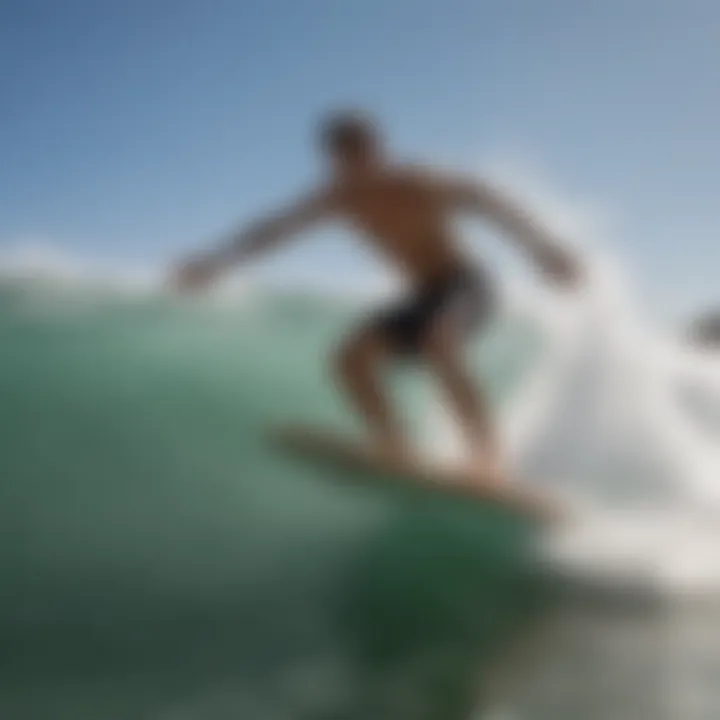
[(159, 560)]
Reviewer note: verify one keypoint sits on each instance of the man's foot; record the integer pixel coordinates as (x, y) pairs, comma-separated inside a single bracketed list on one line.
[(488, 468), (394, 451)]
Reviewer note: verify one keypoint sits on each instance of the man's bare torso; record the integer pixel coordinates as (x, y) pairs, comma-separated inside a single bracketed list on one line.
[(402, 214)]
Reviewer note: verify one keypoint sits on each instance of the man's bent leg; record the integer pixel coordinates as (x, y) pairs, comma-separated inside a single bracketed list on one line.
[(467, 400), (356, 370)]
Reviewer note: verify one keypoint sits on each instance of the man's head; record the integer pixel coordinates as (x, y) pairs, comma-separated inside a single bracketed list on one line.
[(351, 140)]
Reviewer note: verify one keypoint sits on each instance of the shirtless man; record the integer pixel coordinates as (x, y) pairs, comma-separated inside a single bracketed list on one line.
[(404, 212)]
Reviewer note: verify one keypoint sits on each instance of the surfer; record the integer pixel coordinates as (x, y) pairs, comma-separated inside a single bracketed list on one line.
[(405, 213)]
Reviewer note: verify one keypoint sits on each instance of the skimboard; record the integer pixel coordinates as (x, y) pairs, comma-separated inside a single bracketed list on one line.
[(334, 451)]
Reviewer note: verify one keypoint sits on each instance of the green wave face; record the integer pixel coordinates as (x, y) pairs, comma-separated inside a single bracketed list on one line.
[(160, 560)]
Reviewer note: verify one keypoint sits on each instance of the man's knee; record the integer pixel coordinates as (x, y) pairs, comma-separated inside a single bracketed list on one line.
[(356, 355), (440, 348), (344, 358)]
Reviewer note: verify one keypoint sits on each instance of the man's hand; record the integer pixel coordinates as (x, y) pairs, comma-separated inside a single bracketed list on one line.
[(558, 265), (194, 274)]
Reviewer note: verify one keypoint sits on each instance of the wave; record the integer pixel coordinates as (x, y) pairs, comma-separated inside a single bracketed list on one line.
[(143, 515), (154, 542), (598, 404)]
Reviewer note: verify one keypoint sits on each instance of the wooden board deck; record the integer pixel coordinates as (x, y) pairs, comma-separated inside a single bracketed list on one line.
[(324, 448)]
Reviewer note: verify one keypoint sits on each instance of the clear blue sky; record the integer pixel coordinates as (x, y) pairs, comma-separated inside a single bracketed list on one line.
[(133, 128)]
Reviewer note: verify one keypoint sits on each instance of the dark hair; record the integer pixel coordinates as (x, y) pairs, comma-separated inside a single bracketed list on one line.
[(347, 132)]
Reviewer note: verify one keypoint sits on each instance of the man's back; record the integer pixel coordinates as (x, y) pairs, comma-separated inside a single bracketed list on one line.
[(405, 213), (401, 211)]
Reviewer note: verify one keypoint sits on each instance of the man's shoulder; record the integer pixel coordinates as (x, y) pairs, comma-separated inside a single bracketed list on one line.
[(412, 172), (322, 195), (424, 175), (414, 177)]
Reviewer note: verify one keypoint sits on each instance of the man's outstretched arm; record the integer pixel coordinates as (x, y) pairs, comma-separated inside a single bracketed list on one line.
[(254, 240), (547, 251)]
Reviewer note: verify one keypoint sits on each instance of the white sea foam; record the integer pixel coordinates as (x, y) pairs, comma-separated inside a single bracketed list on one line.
[(623, 421)]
